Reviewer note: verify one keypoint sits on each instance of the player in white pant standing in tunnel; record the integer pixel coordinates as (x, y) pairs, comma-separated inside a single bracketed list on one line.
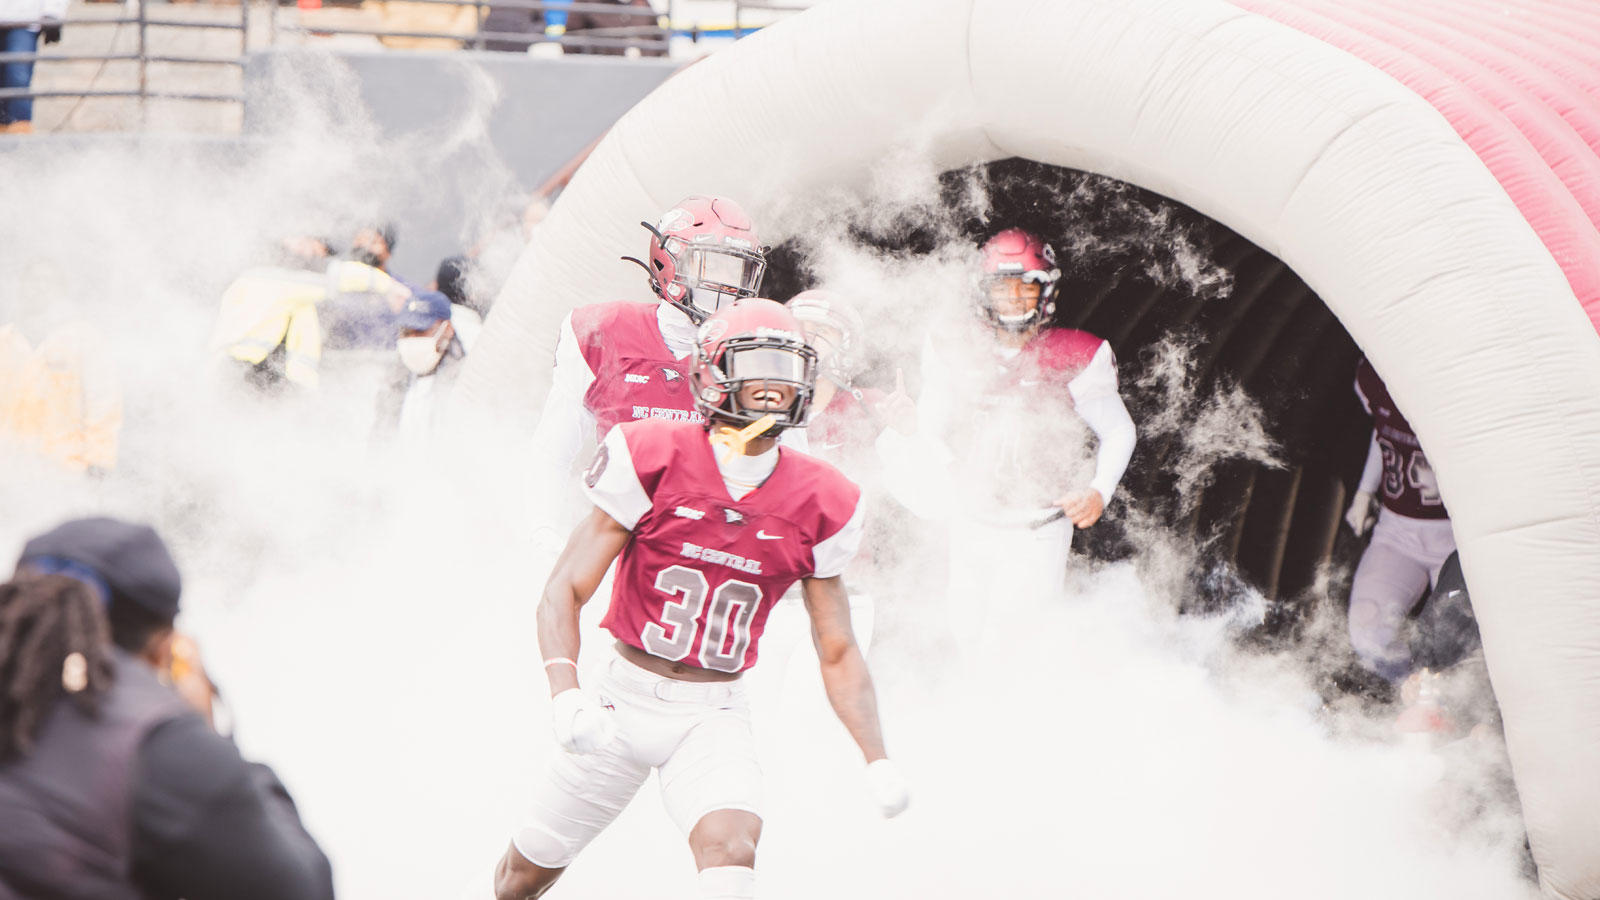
[(709, 524), (1010, 408), (1410, 541)]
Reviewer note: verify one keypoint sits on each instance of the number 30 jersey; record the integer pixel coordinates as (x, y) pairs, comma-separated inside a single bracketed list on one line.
[(702, 571)]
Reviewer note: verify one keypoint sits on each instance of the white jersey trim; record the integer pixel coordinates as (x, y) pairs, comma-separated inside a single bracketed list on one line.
[(832, 555), (616, 489)]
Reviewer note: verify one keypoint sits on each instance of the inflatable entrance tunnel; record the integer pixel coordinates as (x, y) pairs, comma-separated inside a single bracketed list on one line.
[(1430, 169)]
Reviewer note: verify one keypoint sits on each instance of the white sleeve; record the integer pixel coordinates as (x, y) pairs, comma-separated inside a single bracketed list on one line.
[(832, 555), (565, 420), (612, 484), (1094, 393), (1372, 472)]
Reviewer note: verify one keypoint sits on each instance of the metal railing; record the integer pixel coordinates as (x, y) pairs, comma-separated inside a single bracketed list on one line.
[(778, 6), (647, 39), (642, 31), (142, 56)]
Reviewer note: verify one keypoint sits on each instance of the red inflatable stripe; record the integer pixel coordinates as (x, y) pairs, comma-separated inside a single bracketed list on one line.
[(1535, 126)]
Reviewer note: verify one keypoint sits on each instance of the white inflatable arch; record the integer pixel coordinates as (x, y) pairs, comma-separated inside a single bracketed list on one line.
[(1430, 170)]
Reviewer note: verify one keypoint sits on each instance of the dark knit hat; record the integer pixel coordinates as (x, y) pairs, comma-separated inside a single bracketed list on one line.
[(131, 560)]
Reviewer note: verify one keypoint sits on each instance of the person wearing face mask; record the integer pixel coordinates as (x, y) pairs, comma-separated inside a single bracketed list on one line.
[(625, 360), (431, 353)]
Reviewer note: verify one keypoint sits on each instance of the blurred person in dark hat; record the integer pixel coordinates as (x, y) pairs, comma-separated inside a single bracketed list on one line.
[(374, 244), (112, 783), (431, 352)]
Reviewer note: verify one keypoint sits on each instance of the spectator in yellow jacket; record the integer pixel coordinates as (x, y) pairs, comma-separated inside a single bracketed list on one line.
[(272, 317)]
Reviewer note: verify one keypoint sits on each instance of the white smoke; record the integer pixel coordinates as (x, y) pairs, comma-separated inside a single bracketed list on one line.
[(369, 614)]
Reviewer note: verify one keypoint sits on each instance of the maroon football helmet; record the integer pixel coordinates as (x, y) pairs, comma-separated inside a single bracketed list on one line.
[(753, 340), (1013, 261), (704, 254)]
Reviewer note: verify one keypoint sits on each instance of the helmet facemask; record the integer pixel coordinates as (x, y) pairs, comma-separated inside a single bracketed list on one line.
[(713, 275), (1017, 302), (756, 362), (704, 272)]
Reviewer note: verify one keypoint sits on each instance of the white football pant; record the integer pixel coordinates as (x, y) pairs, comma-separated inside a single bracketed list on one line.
[(1400, 564), (696, 734)]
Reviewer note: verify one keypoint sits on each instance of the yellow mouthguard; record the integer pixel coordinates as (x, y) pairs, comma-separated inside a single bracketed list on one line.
[(733, 440)]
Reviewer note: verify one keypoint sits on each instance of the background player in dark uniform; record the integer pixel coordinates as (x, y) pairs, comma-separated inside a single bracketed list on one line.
[(1410, 541), (712, 523)]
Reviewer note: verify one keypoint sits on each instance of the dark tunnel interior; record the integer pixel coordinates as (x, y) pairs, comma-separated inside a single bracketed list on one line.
[(1277, 529)]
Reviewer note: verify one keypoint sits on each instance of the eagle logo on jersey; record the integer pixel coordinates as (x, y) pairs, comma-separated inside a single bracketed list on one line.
[(672, 378), (733, 516)]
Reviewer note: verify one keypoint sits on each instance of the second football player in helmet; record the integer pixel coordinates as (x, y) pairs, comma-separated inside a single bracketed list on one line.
[(1019, 281), (704, 254)]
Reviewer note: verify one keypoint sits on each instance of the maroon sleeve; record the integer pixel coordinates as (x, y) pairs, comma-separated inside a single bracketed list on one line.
[(1067, 350)]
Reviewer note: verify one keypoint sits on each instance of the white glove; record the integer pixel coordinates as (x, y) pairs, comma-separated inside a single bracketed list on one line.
[(888, 787), (582, 725), (1359, 517)]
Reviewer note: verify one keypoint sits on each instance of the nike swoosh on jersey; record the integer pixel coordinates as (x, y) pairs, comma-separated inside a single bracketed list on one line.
[(768, 537)]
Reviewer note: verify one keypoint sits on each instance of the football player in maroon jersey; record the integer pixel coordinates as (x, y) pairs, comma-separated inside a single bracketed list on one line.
[(708, 525), (845, 416), (623, 360), (1004, 417), (1410, 542)]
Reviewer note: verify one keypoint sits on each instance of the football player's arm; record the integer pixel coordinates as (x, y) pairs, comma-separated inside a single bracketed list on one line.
[(849, 688), (564, 420), (1359, 516), (1097, 400), (844, 670), (582, 564)]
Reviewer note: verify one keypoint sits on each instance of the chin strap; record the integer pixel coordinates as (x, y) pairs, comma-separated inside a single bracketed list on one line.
[(733, 440)]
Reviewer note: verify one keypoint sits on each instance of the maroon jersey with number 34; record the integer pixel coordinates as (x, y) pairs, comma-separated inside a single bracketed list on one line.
[(1409, 487), (701, 571)]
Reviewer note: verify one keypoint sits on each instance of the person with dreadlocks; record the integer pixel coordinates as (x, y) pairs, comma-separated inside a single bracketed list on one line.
[(111, 784)]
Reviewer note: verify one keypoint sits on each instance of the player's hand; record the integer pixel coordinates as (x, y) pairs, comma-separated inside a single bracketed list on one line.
[(1359, 516), (1083, 507), (582, 725), (888, 787), (898, 409)]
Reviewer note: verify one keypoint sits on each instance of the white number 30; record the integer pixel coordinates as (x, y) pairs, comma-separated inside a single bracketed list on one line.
[(727, 628)]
